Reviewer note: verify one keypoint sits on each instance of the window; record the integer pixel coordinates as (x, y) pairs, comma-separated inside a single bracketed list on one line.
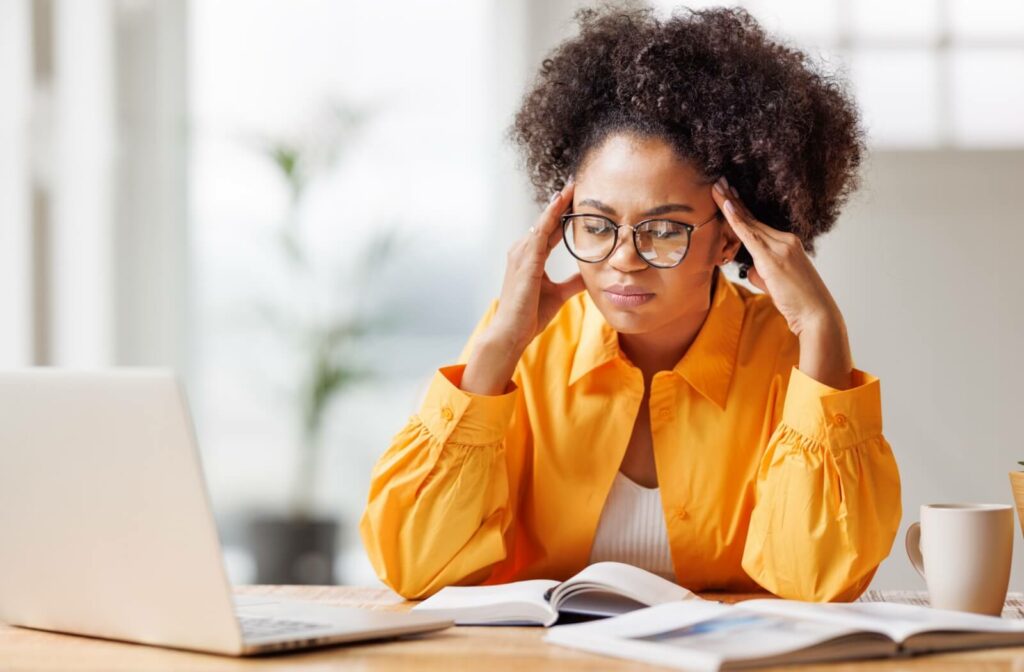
[(418, 164), (925, 73)]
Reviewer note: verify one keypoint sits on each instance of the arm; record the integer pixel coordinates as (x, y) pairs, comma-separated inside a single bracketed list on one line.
[(827, 503), (439, 503), (827, 497), (441, 497)]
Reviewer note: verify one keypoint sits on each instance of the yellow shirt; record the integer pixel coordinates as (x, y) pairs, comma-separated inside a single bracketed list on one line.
[(769, 479)]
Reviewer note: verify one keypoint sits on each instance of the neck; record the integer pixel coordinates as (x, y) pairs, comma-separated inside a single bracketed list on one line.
[(658, 351), (662, 349)]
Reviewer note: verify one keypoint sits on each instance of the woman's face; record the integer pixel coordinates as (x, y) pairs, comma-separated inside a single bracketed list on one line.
[(624, 179)]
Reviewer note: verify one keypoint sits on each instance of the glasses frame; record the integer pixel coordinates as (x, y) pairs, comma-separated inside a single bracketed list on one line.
[(690, 228)]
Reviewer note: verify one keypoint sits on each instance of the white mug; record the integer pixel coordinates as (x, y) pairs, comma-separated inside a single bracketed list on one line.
[(963, 552)]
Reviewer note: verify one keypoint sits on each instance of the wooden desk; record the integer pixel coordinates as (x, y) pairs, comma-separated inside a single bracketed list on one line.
[(463, 648)]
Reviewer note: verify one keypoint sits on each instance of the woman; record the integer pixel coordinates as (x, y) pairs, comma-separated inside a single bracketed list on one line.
[(647, 409)]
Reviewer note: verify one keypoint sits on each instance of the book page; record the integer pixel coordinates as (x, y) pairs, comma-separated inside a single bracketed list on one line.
[(897, 621), (638, 585), (650, 620), (597, 602), (517, 603), (743, 635), (707, 635)]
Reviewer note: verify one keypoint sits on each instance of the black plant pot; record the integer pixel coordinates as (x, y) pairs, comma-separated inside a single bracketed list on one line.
[(293, 551)]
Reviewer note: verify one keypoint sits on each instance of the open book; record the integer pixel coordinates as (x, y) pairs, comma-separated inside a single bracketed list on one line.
[(709, 636), (602, 589)]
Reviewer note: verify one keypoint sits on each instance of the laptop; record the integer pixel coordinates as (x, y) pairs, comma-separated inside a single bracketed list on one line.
[(106, 528)]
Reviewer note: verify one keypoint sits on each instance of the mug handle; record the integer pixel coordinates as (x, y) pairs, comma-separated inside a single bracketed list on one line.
[(913, 542)]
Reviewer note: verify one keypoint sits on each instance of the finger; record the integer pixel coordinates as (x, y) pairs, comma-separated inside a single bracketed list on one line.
[(516, 251), (722, 192), (569, 287), (756, 280), (555, 238), (551, 218), (777, 240), (751, 238)]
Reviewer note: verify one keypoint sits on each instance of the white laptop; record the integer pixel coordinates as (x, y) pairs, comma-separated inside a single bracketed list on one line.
[(106, 528)]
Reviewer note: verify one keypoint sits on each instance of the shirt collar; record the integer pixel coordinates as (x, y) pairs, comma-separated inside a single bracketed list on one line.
[(598, 343), (707, 365)]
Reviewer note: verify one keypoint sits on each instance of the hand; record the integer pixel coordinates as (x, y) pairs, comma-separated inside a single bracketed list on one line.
[(529, 300), (783, 270)]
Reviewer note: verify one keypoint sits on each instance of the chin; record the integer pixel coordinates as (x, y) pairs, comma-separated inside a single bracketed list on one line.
[(630, 320)]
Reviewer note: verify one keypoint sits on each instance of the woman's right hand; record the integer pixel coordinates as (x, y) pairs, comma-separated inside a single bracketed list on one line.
[(529, 300)]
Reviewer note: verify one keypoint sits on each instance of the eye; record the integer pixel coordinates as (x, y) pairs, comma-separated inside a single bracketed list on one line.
[(597, 227), (665, 230)]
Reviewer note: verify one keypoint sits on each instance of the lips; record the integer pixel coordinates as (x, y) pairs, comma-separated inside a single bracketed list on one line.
[(627, 296), (626, 290)]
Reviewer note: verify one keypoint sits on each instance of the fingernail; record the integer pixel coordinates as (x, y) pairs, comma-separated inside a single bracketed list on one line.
[(730, 208), (554, 196), (572, 178), (720, 186), (735, 194)]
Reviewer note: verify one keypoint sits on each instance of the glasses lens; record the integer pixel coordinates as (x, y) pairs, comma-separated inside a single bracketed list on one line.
[(662, 243), (589, 238)]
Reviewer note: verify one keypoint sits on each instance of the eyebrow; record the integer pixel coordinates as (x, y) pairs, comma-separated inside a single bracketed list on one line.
[(653, 212)]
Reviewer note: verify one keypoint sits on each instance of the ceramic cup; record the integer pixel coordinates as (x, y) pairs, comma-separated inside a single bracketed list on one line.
[(963, 552)]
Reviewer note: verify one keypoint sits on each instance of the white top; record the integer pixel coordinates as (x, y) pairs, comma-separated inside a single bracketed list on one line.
[(632, 529)]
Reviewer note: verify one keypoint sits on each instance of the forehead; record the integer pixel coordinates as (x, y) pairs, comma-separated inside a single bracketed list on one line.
[(629, 168)]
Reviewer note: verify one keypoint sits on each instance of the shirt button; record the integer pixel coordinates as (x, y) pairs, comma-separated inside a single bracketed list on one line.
[(681, 513), (839, 419), (447, 414), (665, 413)]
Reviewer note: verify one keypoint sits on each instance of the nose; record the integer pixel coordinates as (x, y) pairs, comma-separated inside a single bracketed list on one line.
[(624, 258)]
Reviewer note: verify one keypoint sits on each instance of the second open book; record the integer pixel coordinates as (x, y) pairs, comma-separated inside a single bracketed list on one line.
[(711, 637), (602, 589)]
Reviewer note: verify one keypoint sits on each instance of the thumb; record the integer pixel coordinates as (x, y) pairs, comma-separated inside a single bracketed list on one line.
[(756, 280), (569, 287)]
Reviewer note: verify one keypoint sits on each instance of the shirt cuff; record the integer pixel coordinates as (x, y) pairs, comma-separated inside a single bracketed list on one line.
[(457, 416), (837, 418)]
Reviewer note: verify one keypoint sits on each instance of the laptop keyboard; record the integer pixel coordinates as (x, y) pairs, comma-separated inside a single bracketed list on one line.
[(254, 628)]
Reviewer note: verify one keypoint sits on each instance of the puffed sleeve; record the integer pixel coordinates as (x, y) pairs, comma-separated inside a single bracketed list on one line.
[(827, 503), (439, 504)]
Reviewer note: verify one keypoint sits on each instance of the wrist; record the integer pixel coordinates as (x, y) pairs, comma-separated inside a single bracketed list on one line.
[(825, 353), (491, 365), (821, 324), (498, 346)]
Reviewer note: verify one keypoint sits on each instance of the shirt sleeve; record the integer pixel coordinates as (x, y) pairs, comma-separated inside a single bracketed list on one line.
[(827, 499), (438, 506)]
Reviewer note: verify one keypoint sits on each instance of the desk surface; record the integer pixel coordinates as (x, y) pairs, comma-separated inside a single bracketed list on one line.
[(490, 649)]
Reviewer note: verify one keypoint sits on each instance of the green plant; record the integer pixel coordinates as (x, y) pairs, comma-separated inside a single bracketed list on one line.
[(323, 337)]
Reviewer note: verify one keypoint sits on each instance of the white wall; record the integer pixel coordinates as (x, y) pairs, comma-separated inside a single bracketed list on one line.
[(151, 237), (15, 184), (925, 264), (81, 232), (93, 260)]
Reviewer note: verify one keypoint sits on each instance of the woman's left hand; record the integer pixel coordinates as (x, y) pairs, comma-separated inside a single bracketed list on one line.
[(783, 270)]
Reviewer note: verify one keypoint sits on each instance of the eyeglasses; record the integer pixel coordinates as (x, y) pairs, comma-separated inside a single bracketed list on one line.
[(662, 243)]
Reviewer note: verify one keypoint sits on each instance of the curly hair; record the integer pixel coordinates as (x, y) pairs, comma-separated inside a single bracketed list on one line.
[(718, 90)]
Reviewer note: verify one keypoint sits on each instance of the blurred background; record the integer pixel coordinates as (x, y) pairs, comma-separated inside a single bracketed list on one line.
[(302, 206)]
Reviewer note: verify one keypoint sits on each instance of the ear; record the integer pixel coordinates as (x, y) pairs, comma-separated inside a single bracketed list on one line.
[(728, 243)]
